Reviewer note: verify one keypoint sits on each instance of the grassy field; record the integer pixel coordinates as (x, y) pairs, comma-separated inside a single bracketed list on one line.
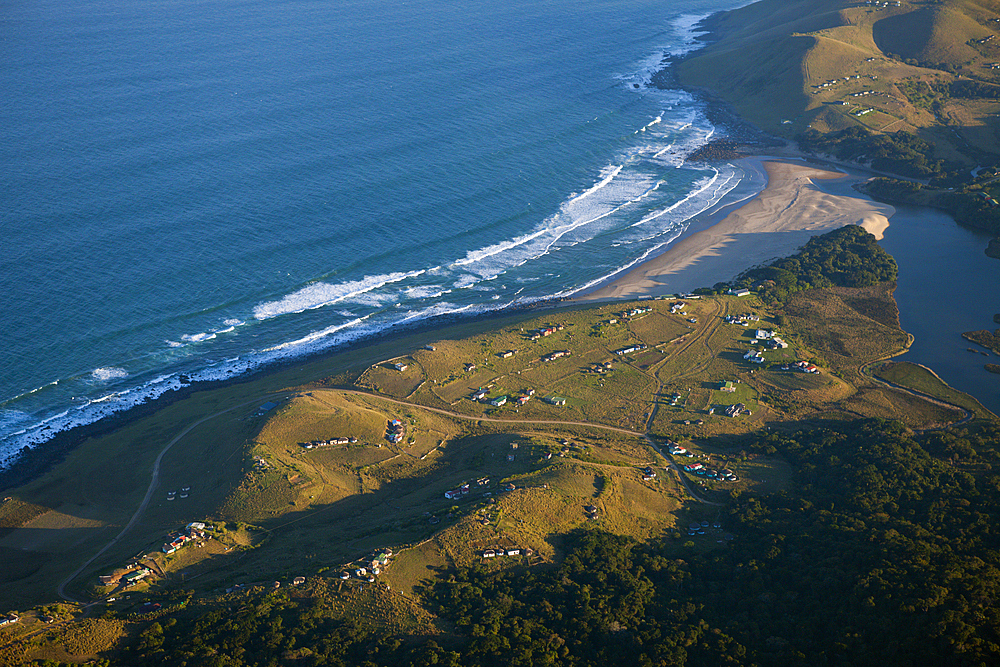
[(285, 510), (820, 64), (922, 379)]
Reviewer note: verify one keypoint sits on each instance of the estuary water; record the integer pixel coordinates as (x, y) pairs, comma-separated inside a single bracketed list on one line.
[(193, 189), (947, 286)]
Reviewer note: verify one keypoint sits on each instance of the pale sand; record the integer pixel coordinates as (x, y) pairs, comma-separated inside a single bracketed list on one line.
[(776, 223)]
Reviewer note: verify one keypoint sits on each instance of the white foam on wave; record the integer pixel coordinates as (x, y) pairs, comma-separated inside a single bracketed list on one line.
[(318, 295), (620, 188), (173, 343), (198, 337), (234, 322), (699, 188), (604, 206), (423, 292), (614, 171), (641, 258), (316, 335), (109, 373)]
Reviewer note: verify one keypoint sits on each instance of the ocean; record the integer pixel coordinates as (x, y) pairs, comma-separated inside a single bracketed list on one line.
[(195, 189)]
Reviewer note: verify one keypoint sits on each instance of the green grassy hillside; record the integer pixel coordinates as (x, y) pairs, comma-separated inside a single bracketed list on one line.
[(789, 66)]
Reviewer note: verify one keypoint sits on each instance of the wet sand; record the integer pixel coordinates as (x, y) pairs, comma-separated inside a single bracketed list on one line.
[(775, 223)]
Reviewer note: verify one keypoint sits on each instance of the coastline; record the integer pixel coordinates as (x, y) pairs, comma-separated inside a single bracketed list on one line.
[(35, 461), (711, 250), (789, 211)]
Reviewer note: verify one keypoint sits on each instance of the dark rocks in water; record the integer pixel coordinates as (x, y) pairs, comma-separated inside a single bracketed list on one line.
[(635, 85), (992, 368), (996, 318), (993, 250), (720, 149)]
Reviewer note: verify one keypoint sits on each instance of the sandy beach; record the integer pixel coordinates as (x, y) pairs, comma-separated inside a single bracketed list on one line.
[(775, 223)]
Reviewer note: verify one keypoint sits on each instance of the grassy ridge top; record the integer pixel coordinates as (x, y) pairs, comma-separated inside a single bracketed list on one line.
[(792, 65)]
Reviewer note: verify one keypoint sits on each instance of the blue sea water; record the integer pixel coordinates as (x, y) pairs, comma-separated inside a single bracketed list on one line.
[(203, 187)]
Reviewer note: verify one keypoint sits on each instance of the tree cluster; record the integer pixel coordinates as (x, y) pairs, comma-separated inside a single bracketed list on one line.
[(884, 550), (845, 257), (896, 152)]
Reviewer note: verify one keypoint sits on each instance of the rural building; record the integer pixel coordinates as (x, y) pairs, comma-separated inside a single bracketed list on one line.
[(729, 386), (739, 292), (556, 400), (400, 367), (735, 410), (499, 401)]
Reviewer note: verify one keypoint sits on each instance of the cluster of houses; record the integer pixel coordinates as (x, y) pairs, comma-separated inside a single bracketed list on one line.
[(542, 332), (801, 367), (677, 307), (460, 492), (648, 474), (701, 470), (172, 495), (677, 450), (630, 349), (636, 311), (370, 568), (482, 396), (600, 367), (742, 320), (8, 619), (829, 83), (499, 553), (988, 38), (863, 112), (736, 410), (130, 578), (769, 339), (193, 531), (592, 512), (328, 443), (466, 488), (558, 354), (395, 431), (754, 356), (698, 527), (865, 93), (878, 3)]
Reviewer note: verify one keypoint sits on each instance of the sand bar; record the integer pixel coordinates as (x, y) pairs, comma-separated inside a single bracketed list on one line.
[(775, 223)]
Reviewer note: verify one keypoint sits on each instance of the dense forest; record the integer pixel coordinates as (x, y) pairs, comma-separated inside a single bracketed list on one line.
[(845, 257), (884, 550), (897, 152)]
